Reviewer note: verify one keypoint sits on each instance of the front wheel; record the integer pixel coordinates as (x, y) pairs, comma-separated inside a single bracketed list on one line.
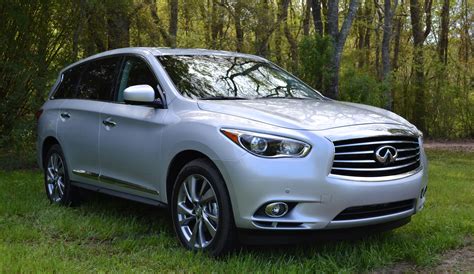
[(201, 209)]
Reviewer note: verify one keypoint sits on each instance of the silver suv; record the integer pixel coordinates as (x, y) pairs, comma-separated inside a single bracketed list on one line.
[(230, 142)]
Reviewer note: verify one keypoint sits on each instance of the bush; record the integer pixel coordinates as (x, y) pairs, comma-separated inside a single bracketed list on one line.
[(360, 87), (315, 58)]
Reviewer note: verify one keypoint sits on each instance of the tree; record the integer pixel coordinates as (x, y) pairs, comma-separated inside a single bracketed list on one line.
[(170, 35), (317, 21), (339, 39), (118, 24), (173, 27), (419, 37), (289, 36), (387, 35), (443, 36)]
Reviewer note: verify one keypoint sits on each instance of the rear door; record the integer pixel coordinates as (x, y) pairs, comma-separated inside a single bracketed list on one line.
[(79, 121), (130, 135)]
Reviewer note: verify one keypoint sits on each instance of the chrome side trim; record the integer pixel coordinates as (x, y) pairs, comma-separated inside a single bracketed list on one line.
[(117, 182), (376, 179), (113, 181), (86, 174)]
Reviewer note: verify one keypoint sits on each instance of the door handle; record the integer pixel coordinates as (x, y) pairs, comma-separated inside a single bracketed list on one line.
[(109, 123), (65, 115)]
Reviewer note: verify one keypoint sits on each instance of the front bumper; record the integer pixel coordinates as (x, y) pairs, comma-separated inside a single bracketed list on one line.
[(317, 196)]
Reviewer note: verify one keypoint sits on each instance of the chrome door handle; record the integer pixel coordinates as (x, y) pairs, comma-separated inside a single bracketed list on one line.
[(109, 123), (65, 115)]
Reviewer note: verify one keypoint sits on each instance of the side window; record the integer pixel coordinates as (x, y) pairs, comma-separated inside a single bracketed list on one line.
[(98, 80), (67, 87), (135, 71)]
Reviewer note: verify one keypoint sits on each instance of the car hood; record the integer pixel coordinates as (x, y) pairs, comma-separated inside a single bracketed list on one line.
[(304, 114)]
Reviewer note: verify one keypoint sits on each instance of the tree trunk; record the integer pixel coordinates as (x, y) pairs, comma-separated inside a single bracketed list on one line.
[(339, 40), (78, 29), (396, 38), (324, 10), (118, 28), (291, 40), (419, 37), (307, 17), (173, 27), (262, 27), (443, 36), (239, 32), (387, 35), (317, 21)]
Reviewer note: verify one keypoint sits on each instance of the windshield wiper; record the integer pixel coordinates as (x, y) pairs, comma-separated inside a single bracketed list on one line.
[(223, 98)]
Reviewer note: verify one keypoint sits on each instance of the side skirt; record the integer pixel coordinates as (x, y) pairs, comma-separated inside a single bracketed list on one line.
[(120, 194)]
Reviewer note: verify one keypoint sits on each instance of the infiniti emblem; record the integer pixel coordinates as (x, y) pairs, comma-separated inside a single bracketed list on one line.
[(386, 154)]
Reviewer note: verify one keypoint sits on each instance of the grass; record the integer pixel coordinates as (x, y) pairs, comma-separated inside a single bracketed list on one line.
[(108, 234)]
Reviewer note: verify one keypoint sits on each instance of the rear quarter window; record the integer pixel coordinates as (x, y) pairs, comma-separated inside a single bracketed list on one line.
[(68, 84)]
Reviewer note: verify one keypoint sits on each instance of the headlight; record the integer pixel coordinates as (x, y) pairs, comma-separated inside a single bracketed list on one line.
[(265, 145)]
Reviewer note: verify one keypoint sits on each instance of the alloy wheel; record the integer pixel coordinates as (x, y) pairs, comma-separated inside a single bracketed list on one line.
[(198, 211), (55, 178)]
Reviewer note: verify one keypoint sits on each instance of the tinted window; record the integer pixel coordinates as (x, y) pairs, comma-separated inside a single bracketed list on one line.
[(136, 72), (67, 87), (97, 81), (209, 76)]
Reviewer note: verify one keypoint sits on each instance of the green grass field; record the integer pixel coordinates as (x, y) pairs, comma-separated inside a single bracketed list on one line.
[(107, 234)]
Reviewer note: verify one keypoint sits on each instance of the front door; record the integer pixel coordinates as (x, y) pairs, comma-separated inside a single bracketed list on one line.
[(130, 136)]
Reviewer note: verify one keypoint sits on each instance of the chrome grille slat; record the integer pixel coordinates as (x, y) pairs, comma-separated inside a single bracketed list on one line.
[(408, 149), (354, 161), (355, 152), (377, 169), (378, 143), (407, 157), (356, 157)]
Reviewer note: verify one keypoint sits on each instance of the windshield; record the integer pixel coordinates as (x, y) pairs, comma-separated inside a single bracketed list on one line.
[(227, 78)]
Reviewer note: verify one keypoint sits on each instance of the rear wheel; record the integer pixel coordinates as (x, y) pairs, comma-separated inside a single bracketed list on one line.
[(201, 209), (56, 179)]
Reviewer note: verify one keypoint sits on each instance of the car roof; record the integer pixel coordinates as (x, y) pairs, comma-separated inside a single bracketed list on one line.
[(156, 51)]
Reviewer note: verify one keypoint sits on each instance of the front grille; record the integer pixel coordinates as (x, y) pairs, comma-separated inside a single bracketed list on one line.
[(370, 211), (356, 157)]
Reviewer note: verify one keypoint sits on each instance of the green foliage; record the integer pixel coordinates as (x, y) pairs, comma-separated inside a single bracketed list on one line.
[(39, 37), (315, 58), (360, 87), (107, 234)]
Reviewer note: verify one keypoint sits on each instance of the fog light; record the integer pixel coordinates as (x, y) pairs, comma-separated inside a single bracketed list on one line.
[(277, 209)]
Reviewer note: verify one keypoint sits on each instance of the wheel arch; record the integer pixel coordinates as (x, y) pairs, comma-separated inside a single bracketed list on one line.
[(48, 142), (178, 162)]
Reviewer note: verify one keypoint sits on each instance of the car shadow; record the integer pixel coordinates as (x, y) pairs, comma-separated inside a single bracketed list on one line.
[(158, 220)]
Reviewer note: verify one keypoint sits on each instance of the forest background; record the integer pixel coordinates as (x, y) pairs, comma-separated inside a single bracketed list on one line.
[(414, 57)]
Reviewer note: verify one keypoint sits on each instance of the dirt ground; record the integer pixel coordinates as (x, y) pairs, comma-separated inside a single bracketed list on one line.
[(459, 260), (467, 145)]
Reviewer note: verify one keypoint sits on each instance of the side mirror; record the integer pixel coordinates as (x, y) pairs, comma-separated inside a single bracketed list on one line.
[(139, 94)]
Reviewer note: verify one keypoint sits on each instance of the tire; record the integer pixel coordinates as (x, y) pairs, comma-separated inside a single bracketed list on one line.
[(203, 218), (56, 178)]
